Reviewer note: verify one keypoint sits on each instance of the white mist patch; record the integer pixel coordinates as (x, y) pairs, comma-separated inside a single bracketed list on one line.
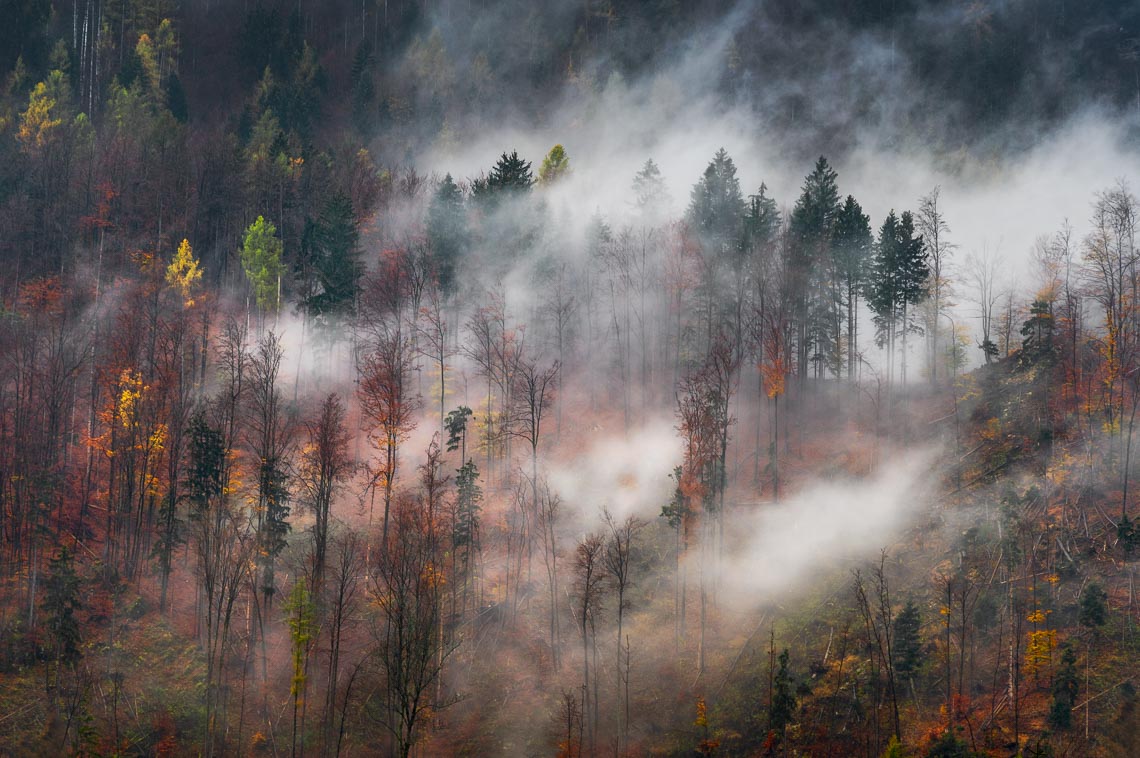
[(628, 474), (773, 547)]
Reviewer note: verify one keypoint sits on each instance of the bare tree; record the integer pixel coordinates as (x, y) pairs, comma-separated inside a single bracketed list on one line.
[(618, 562), (982, 272), (569, 726), (878, 619), (409, 644), (497, 349), (224, 547), (435, 341), (341, 598), (325, 464), (389, 404), (932, 225), (590, 582), (533, 395), (1111, 258), (561, 310), (269, 439), (549, 506)]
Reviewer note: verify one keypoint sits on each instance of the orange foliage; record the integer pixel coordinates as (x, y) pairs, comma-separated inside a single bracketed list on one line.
[(43, 296)]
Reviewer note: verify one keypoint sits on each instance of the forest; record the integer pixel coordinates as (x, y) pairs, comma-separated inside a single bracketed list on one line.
[(611, 378)]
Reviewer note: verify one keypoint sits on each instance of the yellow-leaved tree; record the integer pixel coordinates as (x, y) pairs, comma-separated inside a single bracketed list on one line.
[(39, 124), (183, 273)]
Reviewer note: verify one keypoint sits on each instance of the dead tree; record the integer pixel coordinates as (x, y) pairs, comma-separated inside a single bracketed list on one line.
[(618, 562), (590, 583), (325, 464)]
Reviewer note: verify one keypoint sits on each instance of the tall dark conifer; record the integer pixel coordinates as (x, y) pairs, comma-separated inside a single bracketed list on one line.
[(811, 270), (446, 231), (852, 247), (332, 247), (715, 217), (898, 281)]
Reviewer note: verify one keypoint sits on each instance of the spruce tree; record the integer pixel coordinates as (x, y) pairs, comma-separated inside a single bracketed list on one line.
[(898, 281), (510, 176), (852, 246), (907, 648), (811, 270), (650, 194), (1066, 686), (716, 216), (716, 207), (61, 602), (782, 709), (333, 243), (447, 232)]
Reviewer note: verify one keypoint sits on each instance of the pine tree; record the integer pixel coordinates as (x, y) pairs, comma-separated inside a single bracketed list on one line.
[(446, 232), (1037, 333), (907, 648), (1066, 687), (762, 220), (811, 275), (716, 207), (650, 194), (61, 602), (914, 276), (782, 709), (333, 248), (469, 496), (1092, 613), (898, 280), (510, 176), (852, 247)]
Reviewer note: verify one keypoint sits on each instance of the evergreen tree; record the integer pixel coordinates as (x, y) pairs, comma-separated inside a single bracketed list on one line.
[(883, 287), (456, 427), (511, 173), (650, 194), (898, 280), (469, 496), (852, 247), (1093, 612), (811, 271), (914, 271), (275, 491), (715, 217), (447, 232), (510, 176), (716, 208), (61, 602), (907, 648), (176, 99), (207, 460), (1066, 687), (364, 114), (332, 243), (949, 745), (782, 709), (1037, 333), (762, 220)]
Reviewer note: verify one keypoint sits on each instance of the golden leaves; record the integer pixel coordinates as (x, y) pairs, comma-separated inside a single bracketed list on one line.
[(183, 273), (37, 125)]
